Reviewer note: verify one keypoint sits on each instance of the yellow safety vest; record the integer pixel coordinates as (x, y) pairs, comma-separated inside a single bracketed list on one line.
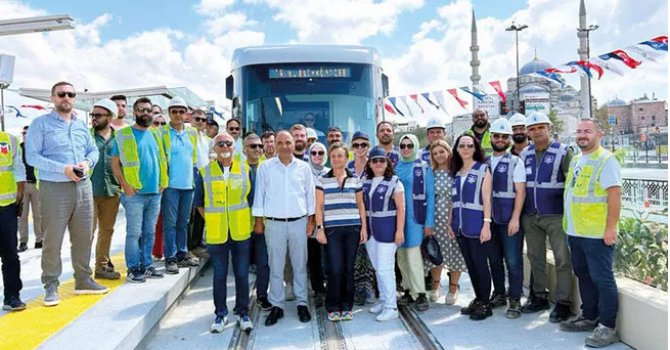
[(588, 203), (192, 134), (130, 158), (7, 181), (226, 206)]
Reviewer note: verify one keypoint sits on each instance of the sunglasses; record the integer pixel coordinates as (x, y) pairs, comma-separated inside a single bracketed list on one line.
[(178, 111), (318, 153), (359, 145), (256, 146), (68, 94), (143, 110), (97, 115), (378, 160), (200, 119), (159, 123), (406, 145), (466, 145), (232, 128), (501, 136), (225, 143)]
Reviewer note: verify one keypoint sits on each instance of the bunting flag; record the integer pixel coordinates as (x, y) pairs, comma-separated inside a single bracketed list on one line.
[(661, 39), (499, 90), (552, 77), (566, 70), (478, 95), (38, 107), (389, 108), (454, 93), (416, 100), (439, 95), (586, 67), (622, 56), (403, 99), (392, 100), (426, 95), (644, 53), (612, 66)]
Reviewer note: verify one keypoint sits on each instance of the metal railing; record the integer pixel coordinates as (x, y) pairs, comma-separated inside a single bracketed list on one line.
[(649, 193)]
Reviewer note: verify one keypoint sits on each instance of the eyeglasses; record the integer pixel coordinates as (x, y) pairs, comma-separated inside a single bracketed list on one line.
[(178, 111), (98, 115), (232, 128), (143, 110), (225, 143), (359, 145), (501, 136), (378, 160), (200, 119), (159, 123), (466, 145), (318, 153), (256, 146), (406, 145), (68, 94)]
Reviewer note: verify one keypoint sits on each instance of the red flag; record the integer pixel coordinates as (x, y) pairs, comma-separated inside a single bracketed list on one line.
[(593, 66), (415, 97), (661, 39), (556, 70), (454, 93), (627, 60), (499, 90), (389, 108), (33, 106)]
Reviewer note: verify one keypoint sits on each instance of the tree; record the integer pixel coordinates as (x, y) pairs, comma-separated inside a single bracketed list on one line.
[(602, 118), (558, 126)]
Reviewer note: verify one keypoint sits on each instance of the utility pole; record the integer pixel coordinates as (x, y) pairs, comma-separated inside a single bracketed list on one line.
[(517, 28)]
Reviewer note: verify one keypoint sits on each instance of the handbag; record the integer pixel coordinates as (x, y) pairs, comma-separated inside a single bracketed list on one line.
[(430, 250)]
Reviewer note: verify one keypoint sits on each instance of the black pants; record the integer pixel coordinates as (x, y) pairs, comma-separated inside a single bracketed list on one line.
[(314, 265), (476, 259), (196, 229), (11, 266), (341, 252)]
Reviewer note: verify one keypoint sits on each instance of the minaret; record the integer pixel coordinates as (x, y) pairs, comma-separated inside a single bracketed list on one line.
[(474, 62), (583, 49)]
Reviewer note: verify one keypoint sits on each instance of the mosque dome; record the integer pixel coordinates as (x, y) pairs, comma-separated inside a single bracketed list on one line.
[(533, 66), (616, 102)]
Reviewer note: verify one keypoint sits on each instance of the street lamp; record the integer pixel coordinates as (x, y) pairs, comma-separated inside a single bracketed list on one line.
[(591, 28), (35, 24), (517, 28)]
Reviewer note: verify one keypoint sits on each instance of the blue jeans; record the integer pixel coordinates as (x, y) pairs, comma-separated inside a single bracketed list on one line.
[(592, 263), (509, 248), (341, 251), (262, 265), (218, 255), (176, 209), (141, 216)]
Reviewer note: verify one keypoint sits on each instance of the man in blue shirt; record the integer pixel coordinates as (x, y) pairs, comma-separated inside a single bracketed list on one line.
[(61, 148)]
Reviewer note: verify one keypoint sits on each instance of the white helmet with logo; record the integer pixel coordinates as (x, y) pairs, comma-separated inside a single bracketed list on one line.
[(434, 123), (517, 119), (311, 134), (537, 118), (177, 102), (501, 126)]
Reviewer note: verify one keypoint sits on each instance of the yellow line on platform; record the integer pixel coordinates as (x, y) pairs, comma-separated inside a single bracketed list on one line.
[(29, 328)]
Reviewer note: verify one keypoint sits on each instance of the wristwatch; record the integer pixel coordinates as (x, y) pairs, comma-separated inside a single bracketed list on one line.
[(319, 227)]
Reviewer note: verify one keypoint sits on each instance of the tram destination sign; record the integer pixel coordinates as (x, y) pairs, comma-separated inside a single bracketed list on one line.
[(309, 72)]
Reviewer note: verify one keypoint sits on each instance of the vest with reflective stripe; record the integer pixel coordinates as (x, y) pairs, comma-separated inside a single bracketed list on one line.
[(7, 181), (544, 185), (425, 154), (351, 165), (419, 202), (381, 209), (130, 159), (503, 189), (467, 216), (588, 201), (192, 135), (226, 206)]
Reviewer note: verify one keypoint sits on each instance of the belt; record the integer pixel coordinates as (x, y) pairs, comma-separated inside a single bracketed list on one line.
[(285, 219)]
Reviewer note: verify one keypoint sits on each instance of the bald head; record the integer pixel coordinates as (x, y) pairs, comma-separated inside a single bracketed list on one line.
[(284, 143)]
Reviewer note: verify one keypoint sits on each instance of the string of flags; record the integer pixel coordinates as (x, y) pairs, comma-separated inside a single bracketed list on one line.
[(617, 62)]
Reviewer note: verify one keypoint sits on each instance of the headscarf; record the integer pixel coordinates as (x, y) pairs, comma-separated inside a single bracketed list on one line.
[(415, 150), (318, 170)]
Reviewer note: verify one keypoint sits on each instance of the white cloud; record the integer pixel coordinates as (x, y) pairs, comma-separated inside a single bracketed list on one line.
[(213, 7)]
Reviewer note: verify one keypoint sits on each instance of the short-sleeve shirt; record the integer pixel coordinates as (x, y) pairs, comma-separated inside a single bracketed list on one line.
[(340, 207), (519, 171), (147, 150)]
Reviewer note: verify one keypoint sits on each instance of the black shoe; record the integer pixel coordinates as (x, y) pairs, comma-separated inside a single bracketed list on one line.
[(22, 247), (303, 314), (38, 245), (499, 300), (468, 310), (534, 305), (264, 304), (171, 266), (560, 313), (318, 299), (514, 309), (483, 311), (359, 298), (406, 299), (13, 304), (274, 316), (421, 303)]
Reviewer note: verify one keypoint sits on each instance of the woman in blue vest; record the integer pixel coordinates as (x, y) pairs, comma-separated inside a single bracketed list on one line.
[(384, 198), (470, 218), (417, 178), (341, 227)]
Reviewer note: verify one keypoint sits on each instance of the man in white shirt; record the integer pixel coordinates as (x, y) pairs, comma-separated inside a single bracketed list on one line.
[(204, 149), (284, 197)]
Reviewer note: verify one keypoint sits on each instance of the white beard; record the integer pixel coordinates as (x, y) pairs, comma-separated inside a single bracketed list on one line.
[(226, 155)]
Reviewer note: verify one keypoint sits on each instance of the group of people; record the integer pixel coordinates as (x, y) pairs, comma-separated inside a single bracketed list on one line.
[(351, 217)]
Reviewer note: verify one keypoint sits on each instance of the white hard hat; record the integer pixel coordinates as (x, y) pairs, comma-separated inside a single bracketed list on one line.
[(434, 123), (177, 102), (537, 118), (517, 119), (108, 105), (501, 126), (311, 134)]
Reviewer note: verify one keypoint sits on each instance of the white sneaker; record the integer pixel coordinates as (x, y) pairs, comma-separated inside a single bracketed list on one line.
[(450, 299), (288, 292), (245, 324), (434, 295), (219, 323), (377, 307), (387, 314)]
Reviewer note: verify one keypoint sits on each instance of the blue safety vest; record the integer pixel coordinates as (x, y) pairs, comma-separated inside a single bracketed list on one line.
[(381, 209), (351, 165), (467, 215), (544, 185), (425, 154), (503, 189), (394, 156), (419, 202)]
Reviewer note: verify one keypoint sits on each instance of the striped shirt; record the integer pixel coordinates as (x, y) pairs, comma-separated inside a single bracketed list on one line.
[(339, 202)]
